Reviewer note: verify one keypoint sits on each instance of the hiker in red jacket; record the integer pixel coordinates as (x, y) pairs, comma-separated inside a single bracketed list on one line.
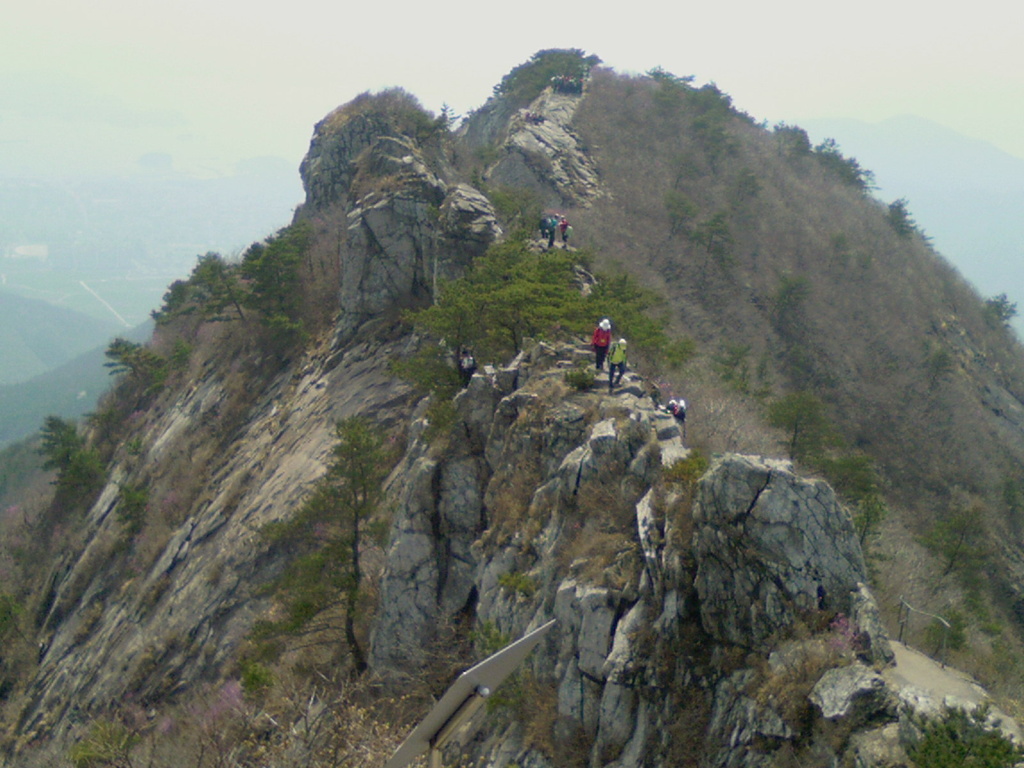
[(601, 339)]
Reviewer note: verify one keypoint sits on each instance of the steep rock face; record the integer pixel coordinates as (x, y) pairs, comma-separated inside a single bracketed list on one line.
[(408, 221), (436, 564), (176, 625), (538, 148), (769, 544), (490, 525)]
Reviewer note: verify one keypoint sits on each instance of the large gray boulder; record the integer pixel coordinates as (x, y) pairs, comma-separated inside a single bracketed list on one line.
[(853, 693), (769, 544)]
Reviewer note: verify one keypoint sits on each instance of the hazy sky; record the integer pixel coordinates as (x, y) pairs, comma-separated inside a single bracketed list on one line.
[(212, 82)]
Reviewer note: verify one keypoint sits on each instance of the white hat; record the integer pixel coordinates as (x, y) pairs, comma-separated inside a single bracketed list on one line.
[(605, 324), (622, 342), (671, 402)]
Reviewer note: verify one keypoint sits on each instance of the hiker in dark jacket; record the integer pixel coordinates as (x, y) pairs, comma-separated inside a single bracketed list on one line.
[(548, 228), (678, 409), (467, 366)]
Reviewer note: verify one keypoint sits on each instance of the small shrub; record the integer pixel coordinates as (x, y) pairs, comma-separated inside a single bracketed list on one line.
[(846, 169), (899, 218), (489, 639), (107, 743), (255, 678), (10, 614), (519, 583), (133, 507), (441, 417), (687, 471), (581, 378), (180, 354), (960, 739), (999, 311), (732, 363), (137, 362), (801, 415)]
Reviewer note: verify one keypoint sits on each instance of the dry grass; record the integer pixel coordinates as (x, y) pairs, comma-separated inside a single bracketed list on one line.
[(688, 730), (508, 499), (857, 338), (785, 688), (539, 712)]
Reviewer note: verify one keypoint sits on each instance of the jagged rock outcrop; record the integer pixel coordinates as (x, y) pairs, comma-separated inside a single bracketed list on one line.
[(440, 502), (619, 672), (853, 693), (769, 544), (408, 221), (538, 148)]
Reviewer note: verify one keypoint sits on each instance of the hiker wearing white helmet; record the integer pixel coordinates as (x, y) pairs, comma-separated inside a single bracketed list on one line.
[(600, 340), (678, 409)]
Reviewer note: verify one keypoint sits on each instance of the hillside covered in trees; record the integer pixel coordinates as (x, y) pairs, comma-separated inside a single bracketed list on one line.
[(290, 506)]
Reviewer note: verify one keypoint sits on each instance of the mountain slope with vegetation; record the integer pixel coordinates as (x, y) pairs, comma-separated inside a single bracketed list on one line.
[(291, 522)]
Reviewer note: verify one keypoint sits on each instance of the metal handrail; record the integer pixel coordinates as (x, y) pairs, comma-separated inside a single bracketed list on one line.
[(904, 616)]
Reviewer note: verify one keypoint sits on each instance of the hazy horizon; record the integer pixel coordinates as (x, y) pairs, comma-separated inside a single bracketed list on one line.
[(192, 90), (212, 85)]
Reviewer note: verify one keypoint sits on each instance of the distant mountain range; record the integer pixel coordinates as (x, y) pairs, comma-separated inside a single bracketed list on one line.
[(69, 391), (52, 363), (966, 194), (36, 336), (86, 258)]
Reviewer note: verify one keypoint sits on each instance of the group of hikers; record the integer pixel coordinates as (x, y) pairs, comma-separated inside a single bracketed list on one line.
[(601, 342), (567, 83), (615, 354), (605, 350), (552, 224)]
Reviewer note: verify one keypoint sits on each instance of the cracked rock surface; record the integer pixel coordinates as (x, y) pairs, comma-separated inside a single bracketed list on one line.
[(769, 543)]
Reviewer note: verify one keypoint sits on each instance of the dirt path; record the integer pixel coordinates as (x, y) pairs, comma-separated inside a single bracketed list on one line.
[(914, 669)]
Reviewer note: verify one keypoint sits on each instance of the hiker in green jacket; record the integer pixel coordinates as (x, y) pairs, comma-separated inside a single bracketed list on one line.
[(616, 363)]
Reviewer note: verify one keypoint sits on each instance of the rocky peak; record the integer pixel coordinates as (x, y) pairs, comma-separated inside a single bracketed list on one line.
[(378, 164), (721, 621), (538, 148), (383, 135)]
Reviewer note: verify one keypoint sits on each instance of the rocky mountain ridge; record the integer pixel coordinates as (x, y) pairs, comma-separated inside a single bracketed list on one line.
[(714, 618)]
